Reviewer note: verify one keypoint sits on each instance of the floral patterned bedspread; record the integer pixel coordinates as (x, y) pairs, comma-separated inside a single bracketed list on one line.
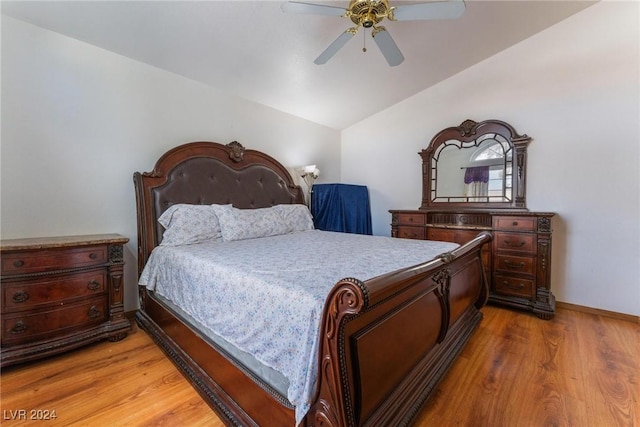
[(266, 295)]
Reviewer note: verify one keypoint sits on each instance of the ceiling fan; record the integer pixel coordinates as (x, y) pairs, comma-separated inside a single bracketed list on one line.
[(369, 13)]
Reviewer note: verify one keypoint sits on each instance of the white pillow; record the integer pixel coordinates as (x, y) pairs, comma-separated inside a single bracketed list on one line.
[(297, 217), (240, 224), (186, 224)]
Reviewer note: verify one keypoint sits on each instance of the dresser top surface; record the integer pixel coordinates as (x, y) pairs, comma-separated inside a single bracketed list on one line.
[(492, 212), (34, 243)]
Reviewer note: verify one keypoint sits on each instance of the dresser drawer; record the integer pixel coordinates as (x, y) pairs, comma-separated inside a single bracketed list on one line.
[(516, 223), (418, 233), (514, 264), (514, 286), (517, 242), (51, 290), (452, 235), (25, 327), (411, 218), (441, 234), (41, 261)]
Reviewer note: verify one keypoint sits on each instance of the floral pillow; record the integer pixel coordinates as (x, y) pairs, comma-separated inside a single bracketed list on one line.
[(186, 224), (297, 217), (240, 224)]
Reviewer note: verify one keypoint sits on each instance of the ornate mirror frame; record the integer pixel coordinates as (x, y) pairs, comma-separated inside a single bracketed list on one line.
[(468, 135)]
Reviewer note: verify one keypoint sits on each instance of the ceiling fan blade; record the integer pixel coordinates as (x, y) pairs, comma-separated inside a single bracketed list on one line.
[(314, 9), (335, 46), (435, 10), (387, 46)]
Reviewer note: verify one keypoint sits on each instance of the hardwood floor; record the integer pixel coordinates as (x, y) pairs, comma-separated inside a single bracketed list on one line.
[(517, 370)]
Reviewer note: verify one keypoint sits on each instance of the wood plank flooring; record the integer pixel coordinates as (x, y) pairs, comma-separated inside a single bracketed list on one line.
[(517, 370)]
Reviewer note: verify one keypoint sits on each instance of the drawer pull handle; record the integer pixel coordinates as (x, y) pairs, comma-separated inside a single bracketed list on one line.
[(93, 255), (19, 263), (509, 285), (410, 219), (19, 328), (513, 264), (514, 223), (93, 285), (514, 244), (94, 313), (20, 296)]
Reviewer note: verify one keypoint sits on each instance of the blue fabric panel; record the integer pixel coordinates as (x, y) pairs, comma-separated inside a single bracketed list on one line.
[(341, 207)]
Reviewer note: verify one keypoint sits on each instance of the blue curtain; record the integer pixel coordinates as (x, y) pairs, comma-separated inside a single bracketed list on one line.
[(341, 207)]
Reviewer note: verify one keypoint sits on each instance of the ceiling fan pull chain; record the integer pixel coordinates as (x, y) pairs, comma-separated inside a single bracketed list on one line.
[(364, 40)]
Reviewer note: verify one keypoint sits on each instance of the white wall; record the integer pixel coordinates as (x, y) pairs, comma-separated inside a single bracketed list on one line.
[(574, 88), (77, 121)]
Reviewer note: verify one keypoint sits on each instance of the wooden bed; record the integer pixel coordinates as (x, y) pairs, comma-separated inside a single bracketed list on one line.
[(385, 343)]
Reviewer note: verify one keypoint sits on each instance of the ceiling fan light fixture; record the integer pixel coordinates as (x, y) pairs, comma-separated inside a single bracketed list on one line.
[(367, 23), (367, 13)]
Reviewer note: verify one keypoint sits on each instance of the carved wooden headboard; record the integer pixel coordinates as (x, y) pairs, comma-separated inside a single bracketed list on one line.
[(206, 173)]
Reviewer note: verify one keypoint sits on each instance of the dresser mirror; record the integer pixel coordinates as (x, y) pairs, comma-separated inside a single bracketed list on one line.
[(475, 165)]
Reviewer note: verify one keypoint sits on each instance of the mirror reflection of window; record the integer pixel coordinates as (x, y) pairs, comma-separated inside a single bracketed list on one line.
[(476, 183), (488, 175)]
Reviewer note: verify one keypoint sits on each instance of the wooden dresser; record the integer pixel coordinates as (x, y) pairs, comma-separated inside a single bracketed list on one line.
[(59, 293), (517, 262)]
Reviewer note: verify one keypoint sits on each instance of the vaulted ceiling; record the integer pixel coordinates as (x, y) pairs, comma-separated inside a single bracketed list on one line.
[(256, 51)]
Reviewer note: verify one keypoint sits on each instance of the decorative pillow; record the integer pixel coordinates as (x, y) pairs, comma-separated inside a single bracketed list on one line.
[(297, 217), (239, 224), (186, 224)]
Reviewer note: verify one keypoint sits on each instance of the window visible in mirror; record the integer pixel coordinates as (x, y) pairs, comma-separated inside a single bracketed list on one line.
[(492, 153)]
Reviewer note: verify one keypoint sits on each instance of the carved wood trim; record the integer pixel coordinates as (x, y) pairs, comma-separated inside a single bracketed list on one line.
[(236, 152), (443, 279), (348, 298), (116, 253)]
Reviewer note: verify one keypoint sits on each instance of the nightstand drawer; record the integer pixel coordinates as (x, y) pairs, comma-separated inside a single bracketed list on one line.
[(514, 286), (24, 327), (515, 242), (41, 261), (52, 290), (516, 223), (514, 264), (411, 218), (418, 233)]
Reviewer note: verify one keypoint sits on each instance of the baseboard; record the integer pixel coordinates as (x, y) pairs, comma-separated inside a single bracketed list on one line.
[(598, 312), (131, 316)]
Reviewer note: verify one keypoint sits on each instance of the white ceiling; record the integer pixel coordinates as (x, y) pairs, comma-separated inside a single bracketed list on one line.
[(254, 50)]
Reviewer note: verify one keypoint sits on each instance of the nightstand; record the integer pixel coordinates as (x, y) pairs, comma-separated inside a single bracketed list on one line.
[(59, 293)]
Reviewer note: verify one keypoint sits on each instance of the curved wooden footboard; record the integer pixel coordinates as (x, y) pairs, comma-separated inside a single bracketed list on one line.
[(388, 341)]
